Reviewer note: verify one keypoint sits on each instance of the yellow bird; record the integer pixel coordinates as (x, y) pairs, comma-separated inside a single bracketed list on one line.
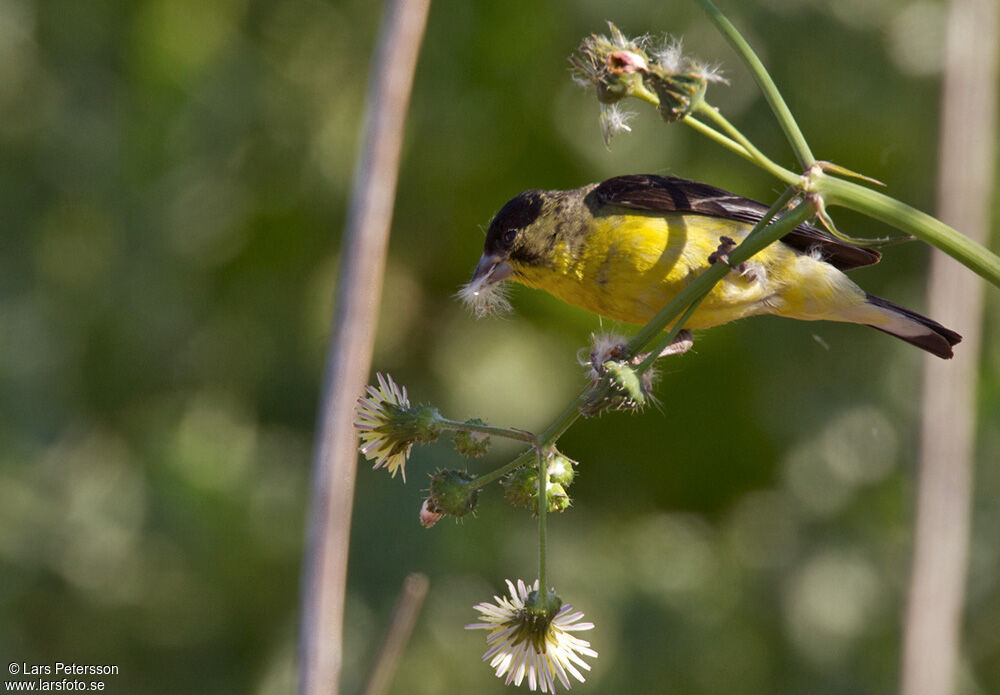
[(623, 248)]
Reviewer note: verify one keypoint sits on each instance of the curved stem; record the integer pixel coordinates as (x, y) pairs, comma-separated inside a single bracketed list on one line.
[(349, 353), (971, 254), (764, 81)]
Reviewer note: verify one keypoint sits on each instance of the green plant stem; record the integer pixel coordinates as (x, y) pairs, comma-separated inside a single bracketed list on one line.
[(756, 156), (971, 254), (835, 191), (670, 336), (543, 508), (712, 134), (485, 479), (566, 419), (505, 432), (541, 442), (838, 191), (764, 81)]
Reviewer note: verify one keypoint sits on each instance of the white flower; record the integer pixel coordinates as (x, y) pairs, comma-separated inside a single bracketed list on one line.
[(376, 415), (523, 641)]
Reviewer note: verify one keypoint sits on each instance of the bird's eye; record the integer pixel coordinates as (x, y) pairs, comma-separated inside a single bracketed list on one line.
[(509, 235)]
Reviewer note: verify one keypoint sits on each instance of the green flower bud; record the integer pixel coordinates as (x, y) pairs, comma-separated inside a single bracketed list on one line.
[(450, 493), (472, 443), (626, 389), (542, 603), (561, 470), (521, 490), (417, 424), (520, 486), (625, 381), (559, 501), (679, 93), (619, 67)]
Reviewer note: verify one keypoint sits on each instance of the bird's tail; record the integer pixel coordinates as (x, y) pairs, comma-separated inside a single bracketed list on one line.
[(907, 325)]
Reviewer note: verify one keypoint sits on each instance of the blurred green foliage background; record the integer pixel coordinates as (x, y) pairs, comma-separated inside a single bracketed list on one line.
[(173, 183)]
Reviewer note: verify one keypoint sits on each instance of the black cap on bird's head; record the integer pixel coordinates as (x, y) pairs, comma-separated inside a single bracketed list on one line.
[(504, 236)]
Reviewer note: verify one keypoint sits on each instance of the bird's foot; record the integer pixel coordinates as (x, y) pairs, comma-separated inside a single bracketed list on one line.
[(726, 244)]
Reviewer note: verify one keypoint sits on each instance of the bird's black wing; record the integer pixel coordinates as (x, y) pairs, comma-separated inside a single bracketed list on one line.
[(671, 194)]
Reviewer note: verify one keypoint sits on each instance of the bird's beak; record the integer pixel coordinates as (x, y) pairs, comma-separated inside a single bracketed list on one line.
[(491, 269)]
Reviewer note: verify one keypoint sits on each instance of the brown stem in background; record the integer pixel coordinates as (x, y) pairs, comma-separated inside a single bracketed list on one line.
[(403, 619), (944, 487), (348, 360)]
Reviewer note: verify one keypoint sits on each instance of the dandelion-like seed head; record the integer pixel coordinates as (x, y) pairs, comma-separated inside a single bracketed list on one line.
[(530, 635), (483, 297), (389, 426), (619, 67), (614, 66), (668, 56)]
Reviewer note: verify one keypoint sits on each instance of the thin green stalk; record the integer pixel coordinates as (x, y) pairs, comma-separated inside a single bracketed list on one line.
[(764, 81), (540, 443), (486, 478), (837, 191), (712, 134), (780, 203), (543, 508), (565, 420), (971, 254), (506, 432), (670, 336), (758, 157)]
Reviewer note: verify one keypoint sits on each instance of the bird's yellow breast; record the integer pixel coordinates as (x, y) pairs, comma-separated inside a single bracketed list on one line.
[(627, 266)]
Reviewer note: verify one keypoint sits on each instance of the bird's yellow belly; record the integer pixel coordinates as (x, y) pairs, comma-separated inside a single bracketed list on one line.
[(631, 265)]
